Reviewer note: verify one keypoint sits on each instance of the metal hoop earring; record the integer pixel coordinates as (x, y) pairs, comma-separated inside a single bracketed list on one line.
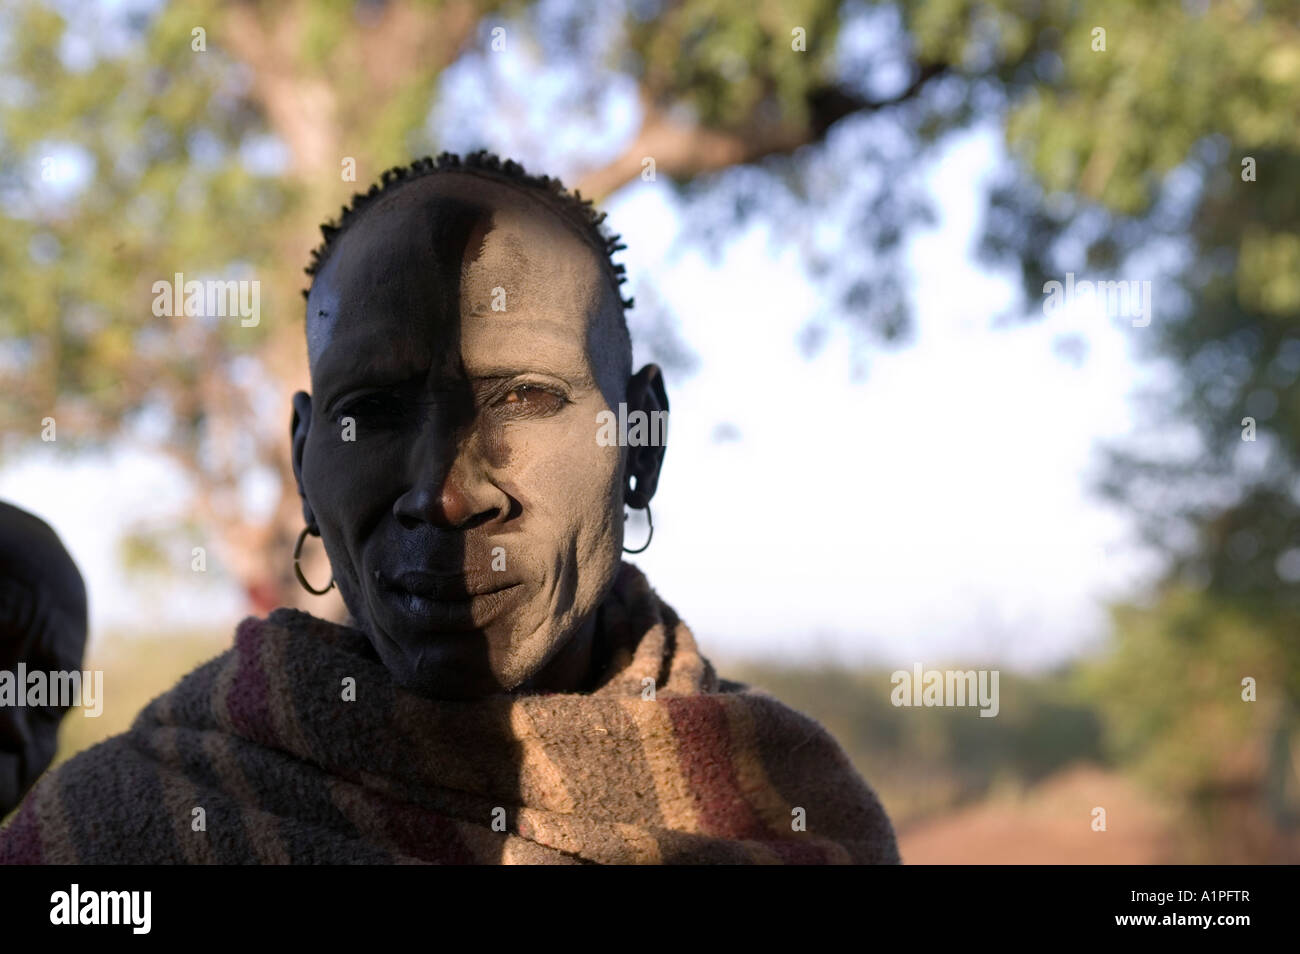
[(297, 570), (649, 520)]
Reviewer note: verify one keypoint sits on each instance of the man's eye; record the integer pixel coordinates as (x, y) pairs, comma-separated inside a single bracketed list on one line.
[(376, 404), (528, 400)]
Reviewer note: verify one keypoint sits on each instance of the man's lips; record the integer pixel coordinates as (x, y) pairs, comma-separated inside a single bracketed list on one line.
[(446, 604), (443, 587)]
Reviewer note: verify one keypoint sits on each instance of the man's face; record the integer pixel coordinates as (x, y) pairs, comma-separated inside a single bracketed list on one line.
[(448, 454)]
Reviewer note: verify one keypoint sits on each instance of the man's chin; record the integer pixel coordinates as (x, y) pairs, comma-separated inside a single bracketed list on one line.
[(452, 666), (422, 670)]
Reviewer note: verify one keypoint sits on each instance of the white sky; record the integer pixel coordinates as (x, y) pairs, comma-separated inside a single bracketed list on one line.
[(936, 510)]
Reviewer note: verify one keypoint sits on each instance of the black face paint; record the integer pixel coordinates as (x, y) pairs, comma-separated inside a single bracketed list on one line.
[(449, 453)]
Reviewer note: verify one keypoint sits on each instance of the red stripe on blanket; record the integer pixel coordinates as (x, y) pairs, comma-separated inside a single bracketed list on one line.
[(423, 834), (21, 844), (705, 752), (248, 702)]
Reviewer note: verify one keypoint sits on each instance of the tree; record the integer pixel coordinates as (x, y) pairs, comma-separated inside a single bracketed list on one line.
[(169, 120), (1129, 124)]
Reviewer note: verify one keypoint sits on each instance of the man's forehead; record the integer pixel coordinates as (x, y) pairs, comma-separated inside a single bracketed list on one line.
[(449, 248)]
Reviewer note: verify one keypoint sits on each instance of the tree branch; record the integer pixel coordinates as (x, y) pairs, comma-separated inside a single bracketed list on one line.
[(684, 150)]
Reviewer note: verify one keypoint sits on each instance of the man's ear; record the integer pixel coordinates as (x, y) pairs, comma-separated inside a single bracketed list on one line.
[(299, 427), (645, 393)]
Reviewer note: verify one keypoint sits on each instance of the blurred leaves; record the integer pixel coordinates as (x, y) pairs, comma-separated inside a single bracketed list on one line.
[(930, 760), (1171, 693)]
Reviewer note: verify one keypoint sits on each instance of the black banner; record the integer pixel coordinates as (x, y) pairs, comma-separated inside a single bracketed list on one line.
[(213, 904)]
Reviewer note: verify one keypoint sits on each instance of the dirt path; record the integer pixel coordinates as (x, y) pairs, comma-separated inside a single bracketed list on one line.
[(1050, 823)]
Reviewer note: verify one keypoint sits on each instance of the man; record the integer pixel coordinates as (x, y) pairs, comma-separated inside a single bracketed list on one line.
[(507, 690), (43, 629)]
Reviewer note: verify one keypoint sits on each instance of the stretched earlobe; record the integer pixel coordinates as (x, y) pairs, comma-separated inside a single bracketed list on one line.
[(635, 495), (647, 396), (299, 428)]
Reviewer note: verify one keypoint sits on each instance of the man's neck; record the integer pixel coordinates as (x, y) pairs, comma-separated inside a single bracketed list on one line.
[(571, 669)]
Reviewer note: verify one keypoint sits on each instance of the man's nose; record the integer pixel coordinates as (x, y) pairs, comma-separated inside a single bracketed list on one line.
[(450, 488)]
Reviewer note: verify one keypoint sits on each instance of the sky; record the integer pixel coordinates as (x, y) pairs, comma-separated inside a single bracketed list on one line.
[(937, 509), (940, 508)]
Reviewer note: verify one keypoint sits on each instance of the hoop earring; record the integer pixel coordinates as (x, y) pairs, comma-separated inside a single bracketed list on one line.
[(297, 570), (649, 520)]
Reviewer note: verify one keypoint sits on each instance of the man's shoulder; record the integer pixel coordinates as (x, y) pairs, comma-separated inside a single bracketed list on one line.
[(81, 810)]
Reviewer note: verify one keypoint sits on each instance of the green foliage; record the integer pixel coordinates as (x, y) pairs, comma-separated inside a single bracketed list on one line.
[(160, 129), (728, 58), (1171, 695)]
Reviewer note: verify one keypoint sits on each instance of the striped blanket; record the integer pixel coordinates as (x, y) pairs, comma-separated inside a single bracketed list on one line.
[(265, 755)]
